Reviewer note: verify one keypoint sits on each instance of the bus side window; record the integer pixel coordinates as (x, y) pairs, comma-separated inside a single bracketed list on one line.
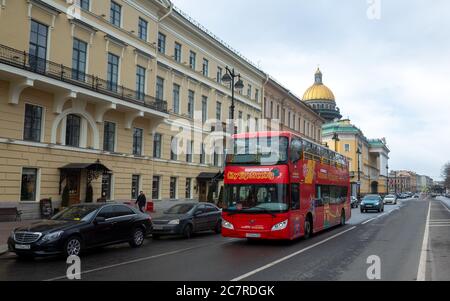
[(319, 200), (295, 196)]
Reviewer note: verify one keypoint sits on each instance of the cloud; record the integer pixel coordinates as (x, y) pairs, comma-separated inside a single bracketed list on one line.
[(389, 76)]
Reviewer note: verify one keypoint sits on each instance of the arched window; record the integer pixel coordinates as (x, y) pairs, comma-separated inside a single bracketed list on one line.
[(73, 127)]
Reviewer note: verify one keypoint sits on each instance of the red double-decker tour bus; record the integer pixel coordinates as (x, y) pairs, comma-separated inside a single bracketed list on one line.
[(281, 186)]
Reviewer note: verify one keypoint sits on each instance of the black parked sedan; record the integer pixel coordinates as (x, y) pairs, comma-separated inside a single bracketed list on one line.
[(186, 219), (81, 227)]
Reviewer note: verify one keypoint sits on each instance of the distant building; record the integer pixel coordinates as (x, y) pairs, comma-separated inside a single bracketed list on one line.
[(368, 158)]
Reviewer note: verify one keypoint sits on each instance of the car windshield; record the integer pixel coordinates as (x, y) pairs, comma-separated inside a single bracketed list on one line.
[(256, 198), (371, 198), (76, 213), (180, 209), (259, 151)]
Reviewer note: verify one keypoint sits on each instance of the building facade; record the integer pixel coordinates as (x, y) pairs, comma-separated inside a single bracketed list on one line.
[(102, 99), (408, 181), (368, 158), (287, 112)]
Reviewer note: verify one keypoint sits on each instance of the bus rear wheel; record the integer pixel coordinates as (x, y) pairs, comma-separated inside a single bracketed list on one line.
[(308, 228)]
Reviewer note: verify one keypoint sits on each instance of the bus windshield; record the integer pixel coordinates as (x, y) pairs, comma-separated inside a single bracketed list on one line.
[(253, 198), (259, 151)]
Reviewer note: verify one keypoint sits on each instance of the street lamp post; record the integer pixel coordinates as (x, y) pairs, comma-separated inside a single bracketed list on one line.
[(359, 172), (230, 77)]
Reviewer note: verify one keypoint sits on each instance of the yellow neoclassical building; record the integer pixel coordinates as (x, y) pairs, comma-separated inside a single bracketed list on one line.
[(94, 94)]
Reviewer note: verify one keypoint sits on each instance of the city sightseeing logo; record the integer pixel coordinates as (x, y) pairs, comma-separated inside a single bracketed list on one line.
[(74, 10), (253, 175)]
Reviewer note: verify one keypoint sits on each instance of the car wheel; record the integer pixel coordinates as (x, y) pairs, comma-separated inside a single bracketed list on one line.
[(73, 246), (362, 210), (187, 231), (137, 239), (218, 227), (307, 228)]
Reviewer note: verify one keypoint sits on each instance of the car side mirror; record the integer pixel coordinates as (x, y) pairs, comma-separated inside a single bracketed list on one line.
[(99, 220)]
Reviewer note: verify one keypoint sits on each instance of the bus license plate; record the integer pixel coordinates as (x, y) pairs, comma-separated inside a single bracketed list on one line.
[(253, 235), (23, 247)]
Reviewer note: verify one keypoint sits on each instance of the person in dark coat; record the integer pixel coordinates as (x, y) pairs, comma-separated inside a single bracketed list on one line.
[(141, 201)]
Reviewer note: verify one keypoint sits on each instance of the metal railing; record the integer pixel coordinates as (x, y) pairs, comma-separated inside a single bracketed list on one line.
[(26, 61)]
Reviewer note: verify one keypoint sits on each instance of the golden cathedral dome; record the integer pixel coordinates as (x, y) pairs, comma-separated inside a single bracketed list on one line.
[(318, 91)]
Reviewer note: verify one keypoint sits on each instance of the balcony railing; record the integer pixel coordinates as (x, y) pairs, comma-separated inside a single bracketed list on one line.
[(26, 61)]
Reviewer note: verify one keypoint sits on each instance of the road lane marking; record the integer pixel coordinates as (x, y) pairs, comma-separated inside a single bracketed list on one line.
[(446, 208), (141, 259), (421, 273), (290, 256), (368, 221)]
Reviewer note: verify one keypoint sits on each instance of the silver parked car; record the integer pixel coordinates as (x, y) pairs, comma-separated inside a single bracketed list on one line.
[(390, 199)]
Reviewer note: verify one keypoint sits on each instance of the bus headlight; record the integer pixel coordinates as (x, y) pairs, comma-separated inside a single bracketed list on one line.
[(227, 225), (280, 226)]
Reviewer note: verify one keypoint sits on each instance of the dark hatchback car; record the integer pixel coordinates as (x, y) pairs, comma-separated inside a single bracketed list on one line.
[(188, 218), (372, 202), (81, 227)]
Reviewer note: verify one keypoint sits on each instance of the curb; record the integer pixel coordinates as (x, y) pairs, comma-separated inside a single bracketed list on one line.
[(3, 249)]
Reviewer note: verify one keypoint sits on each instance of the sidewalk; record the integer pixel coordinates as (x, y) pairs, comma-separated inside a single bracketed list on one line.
[(5, 231)]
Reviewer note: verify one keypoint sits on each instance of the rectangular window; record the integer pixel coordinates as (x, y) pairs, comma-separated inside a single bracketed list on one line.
[(79, 59), (174, 149), (109, 136), (33, 123), (115, 14), (29, 184), (113, 72), (202, 153), (159, 88), (135, 183), (140, 82), (192, 60), (142, 31), (219, 111), (190, 108), (188, 188), (155, 187), (176, 99), (205, 68), (137, 141), (177, 52), (257, 95), (157, 139), (347, 147), (73, 127), (161, 43), (249, 91), (189, 151), (204, 109), (173, 188), (219, 75), (106, 186), (84, 4), (38, 46)]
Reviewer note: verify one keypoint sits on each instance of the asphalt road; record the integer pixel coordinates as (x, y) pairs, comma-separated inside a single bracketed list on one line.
[(395, 236)]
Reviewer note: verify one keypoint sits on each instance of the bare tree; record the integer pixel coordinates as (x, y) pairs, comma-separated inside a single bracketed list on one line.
[(446, 175)]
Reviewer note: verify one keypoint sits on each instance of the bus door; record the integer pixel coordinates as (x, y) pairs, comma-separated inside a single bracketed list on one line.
[(295, 216), (319, 208)]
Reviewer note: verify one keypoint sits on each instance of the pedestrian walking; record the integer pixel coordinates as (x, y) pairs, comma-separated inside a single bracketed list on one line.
[(141, 201)]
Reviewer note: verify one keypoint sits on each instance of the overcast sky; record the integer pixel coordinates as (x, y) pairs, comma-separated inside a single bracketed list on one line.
[(390, 75)]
